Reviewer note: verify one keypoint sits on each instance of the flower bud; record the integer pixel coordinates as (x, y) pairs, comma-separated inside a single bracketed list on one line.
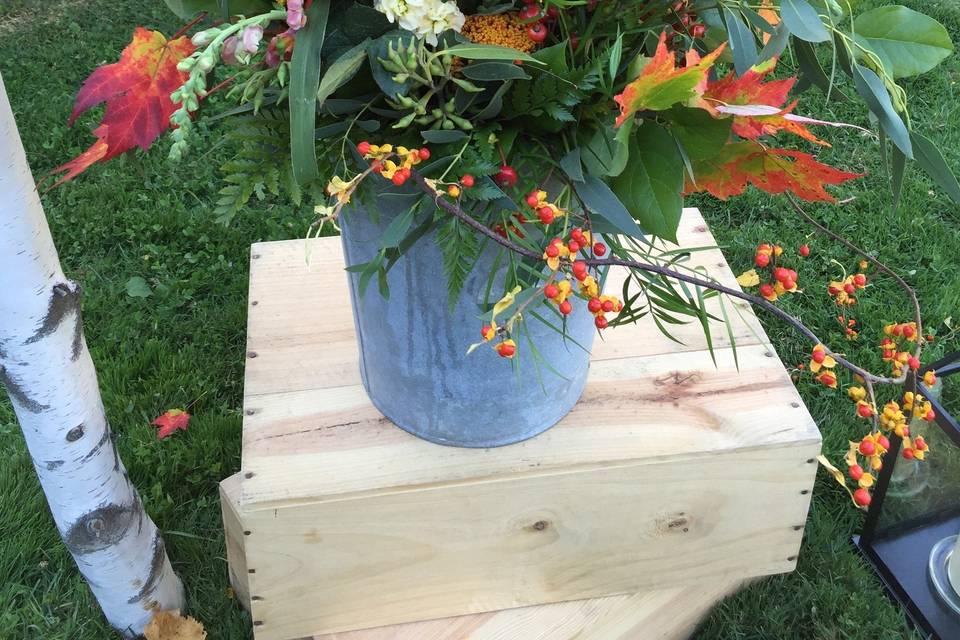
[(205, 63), (203, 38), (251, 38), (186, 64)]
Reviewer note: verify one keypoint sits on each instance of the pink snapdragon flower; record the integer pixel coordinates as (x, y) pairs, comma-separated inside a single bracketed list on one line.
[(296, 19), (252, 36)]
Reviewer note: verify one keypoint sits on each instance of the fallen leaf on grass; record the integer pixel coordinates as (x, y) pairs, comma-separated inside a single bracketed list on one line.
[(170, 625), (171, 421)]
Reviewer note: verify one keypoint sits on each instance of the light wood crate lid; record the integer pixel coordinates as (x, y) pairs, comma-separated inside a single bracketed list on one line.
[(311, 434)]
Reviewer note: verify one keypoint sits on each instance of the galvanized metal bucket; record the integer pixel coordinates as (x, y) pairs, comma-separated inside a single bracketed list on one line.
[(413, 347)]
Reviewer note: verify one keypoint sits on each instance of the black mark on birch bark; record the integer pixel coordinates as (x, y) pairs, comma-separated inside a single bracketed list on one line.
[(75, 434), (18, 395), (53, 465), (158, 565), (101, 528), (104, 439), (64, 302)]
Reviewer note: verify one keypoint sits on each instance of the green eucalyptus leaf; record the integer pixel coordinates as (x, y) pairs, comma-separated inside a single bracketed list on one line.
[(487, 52), (572, 166), (650, 186), (606, 208), (485, 71), (874, 93), (743, 45), (803, 21), (341, 71), (931, 161), (907, 42), (441, 136)]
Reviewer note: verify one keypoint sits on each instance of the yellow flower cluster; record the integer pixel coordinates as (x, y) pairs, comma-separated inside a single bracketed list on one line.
[(384, 164), (501, 29)]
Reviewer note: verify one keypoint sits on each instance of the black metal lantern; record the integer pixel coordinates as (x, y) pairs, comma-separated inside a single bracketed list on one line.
[(910, 532)]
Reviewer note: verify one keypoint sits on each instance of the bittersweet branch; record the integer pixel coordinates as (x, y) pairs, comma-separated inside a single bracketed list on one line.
[(454, 209)]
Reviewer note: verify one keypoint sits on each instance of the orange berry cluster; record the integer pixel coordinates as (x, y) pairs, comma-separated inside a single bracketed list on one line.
[(821, 364), (383, 155), (506, 348), (849, 327), (843, 292), (892, 345), (784, 280), (546, 212), (559, 253)]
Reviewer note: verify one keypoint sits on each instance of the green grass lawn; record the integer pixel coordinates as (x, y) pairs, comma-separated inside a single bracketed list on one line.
[(183, 345)]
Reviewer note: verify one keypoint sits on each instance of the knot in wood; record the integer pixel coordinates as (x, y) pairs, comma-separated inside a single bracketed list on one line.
[(540, 525)]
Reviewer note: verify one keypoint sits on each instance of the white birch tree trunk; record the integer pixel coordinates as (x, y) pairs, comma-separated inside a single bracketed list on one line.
[(51, 381)]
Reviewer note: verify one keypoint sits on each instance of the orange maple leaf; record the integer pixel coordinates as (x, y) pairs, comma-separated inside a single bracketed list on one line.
[(660, 84), (757, 107), (137, 92), (772, 170), (170, 422)]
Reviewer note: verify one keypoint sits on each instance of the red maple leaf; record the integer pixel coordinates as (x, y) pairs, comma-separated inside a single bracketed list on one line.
[(772, 170), (757, 107), (137, 92), (171, 421)]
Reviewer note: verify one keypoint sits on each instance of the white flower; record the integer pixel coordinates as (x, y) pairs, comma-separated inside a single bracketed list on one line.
[(426, 18)]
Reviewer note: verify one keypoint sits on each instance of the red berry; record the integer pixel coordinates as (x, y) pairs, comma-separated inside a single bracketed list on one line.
[(804, 250), (849, 288), (565, 307), (467, 180), (761, 260), (931, 415), (552, 250), (698, 30), (599, 249), (532, 199), (766, 290), (883, 441), (595, 305), (424, 153), (865, 410), (861, 497), (551, 291), (506, 176), (545, 214), (781, 274), (856, 472), (506, 350), (376, 166), (607, 306), (529, 12), (601, 322), (860, 280), (579, 266), (553, 12), (919, 443), (577, 234), (363, 148), (914, 363), (867, 447), (537, 32), (832, 290), (788, 284), (908, 454), (574, 247), (398, 178), (484, 331), (819, 355), (908, 331)]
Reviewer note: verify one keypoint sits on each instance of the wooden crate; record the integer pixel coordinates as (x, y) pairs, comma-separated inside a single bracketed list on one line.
[(669, 472), (664, 614)]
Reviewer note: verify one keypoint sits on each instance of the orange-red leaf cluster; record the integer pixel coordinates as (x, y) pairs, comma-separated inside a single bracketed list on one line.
[(137, 92)]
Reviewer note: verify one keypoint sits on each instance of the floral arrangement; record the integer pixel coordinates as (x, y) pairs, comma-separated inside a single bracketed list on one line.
[(564, 132)]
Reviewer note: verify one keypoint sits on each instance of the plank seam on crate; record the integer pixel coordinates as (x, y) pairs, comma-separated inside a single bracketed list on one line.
[(719, 351), (541, 473)]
